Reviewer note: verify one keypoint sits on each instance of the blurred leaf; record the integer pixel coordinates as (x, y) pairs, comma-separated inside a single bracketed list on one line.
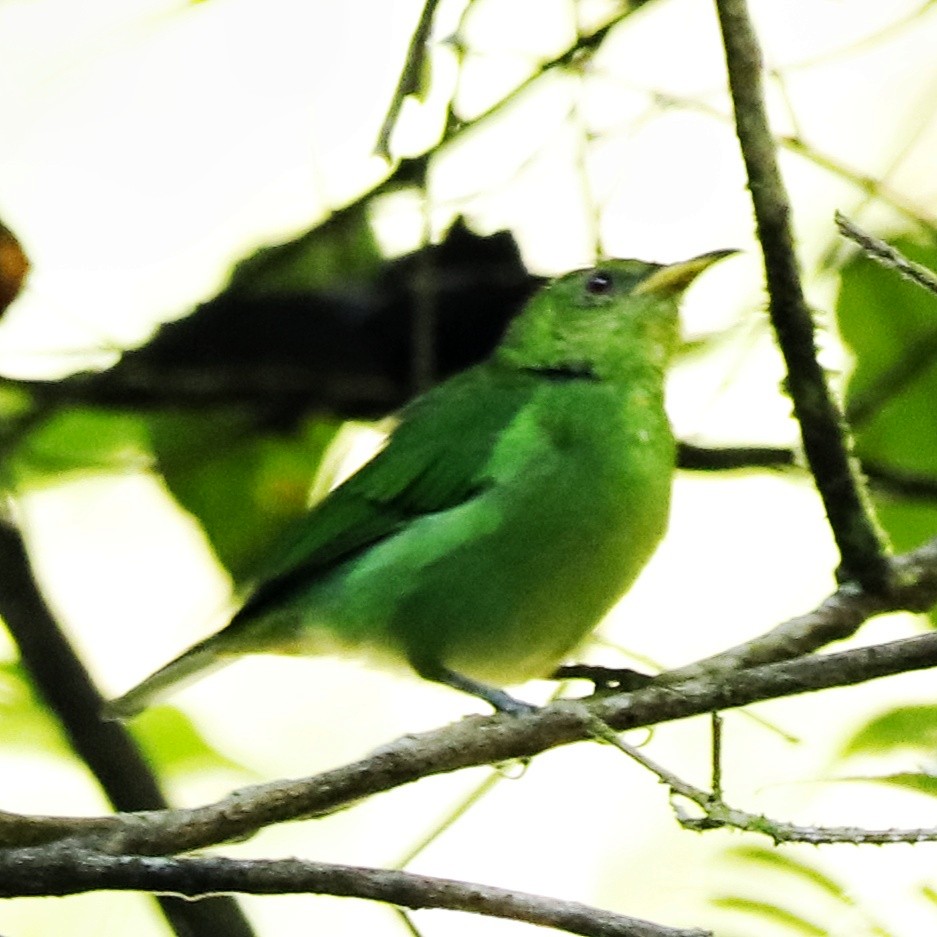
[(784, 917), (891, 327), (171, 740), (24, 721), (787, 864), (318, 325), (341, 249), (759, 862), (241, 486), (904, 728), (910, 780), (80, 440), (929, 893), (15, 402)]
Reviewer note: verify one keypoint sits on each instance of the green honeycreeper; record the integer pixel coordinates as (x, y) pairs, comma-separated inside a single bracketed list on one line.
[(509, 510)]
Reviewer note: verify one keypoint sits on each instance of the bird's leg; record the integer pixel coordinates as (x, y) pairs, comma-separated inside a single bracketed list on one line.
[(501, 701), (605, 679)]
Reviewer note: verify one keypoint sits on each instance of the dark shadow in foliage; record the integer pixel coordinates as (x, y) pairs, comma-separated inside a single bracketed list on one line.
[(286, 339)]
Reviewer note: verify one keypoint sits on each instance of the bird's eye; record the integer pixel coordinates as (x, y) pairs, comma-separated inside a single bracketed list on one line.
[(599, 283)]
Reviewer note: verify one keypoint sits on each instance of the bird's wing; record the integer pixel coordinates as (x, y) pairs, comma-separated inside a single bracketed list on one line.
[(436, 459)]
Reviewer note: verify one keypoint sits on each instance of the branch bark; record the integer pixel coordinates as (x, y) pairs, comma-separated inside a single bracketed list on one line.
[(738, 677), (824, 434), (71, 871), (107, 748)]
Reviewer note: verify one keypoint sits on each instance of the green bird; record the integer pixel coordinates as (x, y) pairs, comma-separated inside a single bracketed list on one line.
[(508, 511)]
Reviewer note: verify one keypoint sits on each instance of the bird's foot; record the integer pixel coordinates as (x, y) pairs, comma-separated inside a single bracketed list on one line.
[(604, 679)]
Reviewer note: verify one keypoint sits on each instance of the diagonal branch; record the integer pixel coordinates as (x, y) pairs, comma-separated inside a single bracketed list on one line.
[(107, 748), (887, 255), (409, 82), (915, 359), (824, 435)]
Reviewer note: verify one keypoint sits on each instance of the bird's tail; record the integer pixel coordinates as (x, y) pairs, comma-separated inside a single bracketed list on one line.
[(198, 660)]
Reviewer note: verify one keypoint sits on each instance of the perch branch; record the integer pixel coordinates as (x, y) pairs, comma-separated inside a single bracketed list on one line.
[(712, 685)]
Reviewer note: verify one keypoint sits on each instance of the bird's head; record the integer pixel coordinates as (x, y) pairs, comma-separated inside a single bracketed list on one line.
[(605, 319)]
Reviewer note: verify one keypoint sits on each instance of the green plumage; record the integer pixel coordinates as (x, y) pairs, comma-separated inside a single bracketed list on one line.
[(509, 510)]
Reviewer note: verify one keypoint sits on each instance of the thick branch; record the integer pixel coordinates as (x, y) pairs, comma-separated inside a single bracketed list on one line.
[(107, 748), (65, 685), (68, 871), (822, 429)]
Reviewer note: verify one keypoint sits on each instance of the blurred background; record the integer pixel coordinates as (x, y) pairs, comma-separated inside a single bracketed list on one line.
[(238, 268)]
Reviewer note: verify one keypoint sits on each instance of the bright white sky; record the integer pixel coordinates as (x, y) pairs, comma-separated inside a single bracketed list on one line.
[(147, 145)]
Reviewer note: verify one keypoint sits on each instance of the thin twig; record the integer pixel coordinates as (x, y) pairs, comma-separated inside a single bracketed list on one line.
[(914, 360), (719, 458), (824, 435), (717, 814), (884, 478), (870, 186), (716, 754), (410, 77), (887, 255)]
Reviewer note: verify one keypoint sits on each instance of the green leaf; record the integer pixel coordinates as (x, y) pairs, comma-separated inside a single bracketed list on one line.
[(928, 893), (789, 865), (891, 327), (173, 743), (910, 780), (169, 738), (771, 912), (15, 402), (242, 487), (904, 728), (342, 249), (79, 440), (790, 873), (24, 721)]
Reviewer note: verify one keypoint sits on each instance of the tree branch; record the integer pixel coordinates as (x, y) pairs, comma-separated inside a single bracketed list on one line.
[(882, 477), (67, 871), (887, 255), (822, 429), (409, 82), (107, 748), (711, 685), (914, 360), (716, 813)]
